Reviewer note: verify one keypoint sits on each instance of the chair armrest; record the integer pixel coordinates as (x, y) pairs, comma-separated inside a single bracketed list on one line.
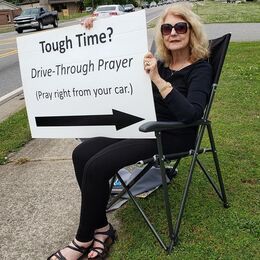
[(153, 126)]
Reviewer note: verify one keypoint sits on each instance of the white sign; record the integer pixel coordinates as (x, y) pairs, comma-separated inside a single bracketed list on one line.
[(84, 83)]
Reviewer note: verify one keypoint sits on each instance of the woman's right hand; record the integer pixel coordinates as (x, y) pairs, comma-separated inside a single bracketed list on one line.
[(88, 22)]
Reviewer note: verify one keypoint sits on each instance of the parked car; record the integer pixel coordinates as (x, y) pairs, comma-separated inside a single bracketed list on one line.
[(129, 8), (145, 5), (89, 9), (35, 18), (153, 4), (108, 10)]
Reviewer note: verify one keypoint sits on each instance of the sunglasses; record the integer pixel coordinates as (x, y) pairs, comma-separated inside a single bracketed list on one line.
[(179, 28)]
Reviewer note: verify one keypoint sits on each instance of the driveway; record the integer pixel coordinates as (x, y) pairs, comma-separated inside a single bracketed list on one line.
[(241, 32)]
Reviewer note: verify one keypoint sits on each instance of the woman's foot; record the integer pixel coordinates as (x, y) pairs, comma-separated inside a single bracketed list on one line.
[(73, 251), (103, 239)]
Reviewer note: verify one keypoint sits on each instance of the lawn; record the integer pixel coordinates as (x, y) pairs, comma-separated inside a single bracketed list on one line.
[(14, 133), (221, 12), (208, 230)]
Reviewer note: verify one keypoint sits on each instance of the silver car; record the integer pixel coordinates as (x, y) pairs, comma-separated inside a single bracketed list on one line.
[(108, 10)]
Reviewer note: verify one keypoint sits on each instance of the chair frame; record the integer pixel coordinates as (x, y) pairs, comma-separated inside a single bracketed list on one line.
[(158, 160)]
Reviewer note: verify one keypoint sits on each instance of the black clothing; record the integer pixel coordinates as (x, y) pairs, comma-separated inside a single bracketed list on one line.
[(97, 159), (187, 100)]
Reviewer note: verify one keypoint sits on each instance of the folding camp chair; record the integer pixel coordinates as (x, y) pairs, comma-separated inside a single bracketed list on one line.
[(218, 49)]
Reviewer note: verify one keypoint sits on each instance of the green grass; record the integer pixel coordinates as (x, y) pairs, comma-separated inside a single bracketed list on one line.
[(208, 230), (6, 28), (221, 12), (14, 133)]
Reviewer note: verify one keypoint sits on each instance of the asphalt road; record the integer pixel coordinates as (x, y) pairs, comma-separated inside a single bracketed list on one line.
[(9, 65), (10, 77)]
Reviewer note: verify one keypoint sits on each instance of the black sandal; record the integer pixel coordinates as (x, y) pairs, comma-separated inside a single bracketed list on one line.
[(76, 247), (102, 252)]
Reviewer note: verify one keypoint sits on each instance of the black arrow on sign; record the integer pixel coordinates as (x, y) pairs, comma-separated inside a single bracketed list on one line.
[(118, 118)]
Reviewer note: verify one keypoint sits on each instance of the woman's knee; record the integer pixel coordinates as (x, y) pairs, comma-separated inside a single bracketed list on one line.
[(97, 171), (88, 148), (80, 153), (75, 154)]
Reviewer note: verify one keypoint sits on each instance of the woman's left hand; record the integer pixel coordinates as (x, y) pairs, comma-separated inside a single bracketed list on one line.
[(150, 66)]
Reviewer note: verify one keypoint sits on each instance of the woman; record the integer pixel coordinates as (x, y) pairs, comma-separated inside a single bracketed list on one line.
[(181, 81)]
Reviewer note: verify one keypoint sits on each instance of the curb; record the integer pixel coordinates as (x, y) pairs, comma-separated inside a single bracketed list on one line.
[(11, 95)]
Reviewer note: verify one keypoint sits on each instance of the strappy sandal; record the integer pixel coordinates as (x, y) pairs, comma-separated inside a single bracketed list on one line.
[(75, 247), (102, 252)]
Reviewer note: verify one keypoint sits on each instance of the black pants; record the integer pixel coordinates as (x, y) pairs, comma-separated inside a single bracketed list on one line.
[(95, 162)]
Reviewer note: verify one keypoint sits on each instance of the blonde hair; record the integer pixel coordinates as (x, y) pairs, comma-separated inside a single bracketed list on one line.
[(198, 42)]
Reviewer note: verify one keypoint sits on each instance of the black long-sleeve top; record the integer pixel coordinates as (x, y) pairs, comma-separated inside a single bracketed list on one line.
[(189, 96)]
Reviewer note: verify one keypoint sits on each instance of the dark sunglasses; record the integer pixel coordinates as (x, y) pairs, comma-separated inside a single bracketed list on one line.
[(179, 28)]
